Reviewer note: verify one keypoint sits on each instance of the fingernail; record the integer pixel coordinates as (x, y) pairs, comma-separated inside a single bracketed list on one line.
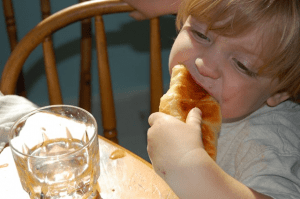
[(198, 110)]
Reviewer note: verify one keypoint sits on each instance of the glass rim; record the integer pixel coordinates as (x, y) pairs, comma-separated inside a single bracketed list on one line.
[(55, 156)]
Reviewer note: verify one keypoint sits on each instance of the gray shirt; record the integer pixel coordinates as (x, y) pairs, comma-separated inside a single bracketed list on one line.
[(263, 150)]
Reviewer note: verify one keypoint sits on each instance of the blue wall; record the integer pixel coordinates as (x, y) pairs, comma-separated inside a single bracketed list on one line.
[(128, 48)]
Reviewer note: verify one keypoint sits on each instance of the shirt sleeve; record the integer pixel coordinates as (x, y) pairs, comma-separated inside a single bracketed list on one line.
[(12, 107)]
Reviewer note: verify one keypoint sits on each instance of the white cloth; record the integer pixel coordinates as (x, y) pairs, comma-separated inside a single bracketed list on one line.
[(12, 107), (263, 150)]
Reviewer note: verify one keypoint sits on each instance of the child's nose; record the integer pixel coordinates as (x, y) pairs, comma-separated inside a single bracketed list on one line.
[(207, 70)]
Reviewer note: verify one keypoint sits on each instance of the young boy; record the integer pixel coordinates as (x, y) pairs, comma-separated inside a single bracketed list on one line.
[(246, 55)]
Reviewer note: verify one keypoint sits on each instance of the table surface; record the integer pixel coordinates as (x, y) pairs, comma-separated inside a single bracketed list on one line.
[(122, 175)]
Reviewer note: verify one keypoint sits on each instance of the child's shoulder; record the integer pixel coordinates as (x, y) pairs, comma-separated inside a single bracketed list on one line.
[(285, 115), (275, 128), (262, 151), (287, 107)]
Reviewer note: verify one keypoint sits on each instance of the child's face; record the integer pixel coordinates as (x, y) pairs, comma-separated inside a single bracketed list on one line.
[(224, 66)]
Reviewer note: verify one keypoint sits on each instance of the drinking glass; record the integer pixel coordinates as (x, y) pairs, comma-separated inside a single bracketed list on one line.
[(56, 152)]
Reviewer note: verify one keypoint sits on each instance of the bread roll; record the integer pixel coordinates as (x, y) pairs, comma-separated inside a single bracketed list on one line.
[(183, 95)]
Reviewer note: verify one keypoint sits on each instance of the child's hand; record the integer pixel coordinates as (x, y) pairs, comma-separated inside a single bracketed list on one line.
[(146, 9), (171, 142), (177, 155)]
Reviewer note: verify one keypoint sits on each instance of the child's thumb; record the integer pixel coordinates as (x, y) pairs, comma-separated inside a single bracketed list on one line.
[(194, 117)]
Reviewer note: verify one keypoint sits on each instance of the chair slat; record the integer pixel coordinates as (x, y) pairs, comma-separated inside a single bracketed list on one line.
[(107, 101), (156, 80), (55, 96), (10, 23), (45, 8), (85, 71), (13, 40), (85, 92)]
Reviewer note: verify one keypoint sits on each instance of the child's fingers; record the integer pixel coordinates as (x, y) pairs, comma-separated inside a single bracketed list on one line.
[(152, 118), (194, 117), (159, 118)]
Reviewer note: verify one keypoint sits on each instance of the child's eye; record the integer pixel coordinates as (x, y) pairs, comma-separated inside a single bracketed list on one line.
[(200, 35), (241, 67)]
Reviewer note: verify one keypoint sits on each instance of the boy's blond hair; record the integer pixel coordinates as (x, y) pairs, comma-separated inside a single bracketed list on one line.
[(280, 20)]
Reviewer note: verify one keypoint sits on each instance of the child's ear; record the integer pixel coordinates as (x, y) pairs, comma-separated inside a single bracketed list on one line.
[(277, 98)]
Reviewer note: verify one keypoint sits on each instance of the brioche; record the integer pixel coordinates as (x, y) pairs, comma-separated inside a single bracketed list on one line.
[(183, 95)]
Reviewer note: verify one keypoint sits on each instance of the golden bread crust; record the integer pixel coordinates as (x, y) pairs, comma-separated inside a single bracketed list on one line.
[(183, 95)]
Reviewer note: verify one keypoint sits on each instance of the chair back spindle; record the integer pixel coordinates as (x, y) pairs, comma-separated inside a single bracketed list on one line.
[(10, 23), (85, 91), (11, 30), (55, 96), (156, 82), (106, 95)]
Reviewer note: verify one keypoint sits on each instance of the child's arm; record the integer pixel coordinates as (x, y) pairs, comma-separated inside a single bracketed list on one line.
[(176, 152), (146, 9)]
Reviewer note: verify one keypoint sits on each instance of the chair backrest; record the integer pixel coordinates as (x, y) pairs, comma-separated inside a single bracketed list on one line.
[(83, 12), (11, 29)]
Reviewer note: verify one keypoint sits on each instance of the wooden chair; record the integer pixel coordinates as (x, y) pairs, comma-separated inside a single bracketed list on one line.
[(86, 47), (83, 12)]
